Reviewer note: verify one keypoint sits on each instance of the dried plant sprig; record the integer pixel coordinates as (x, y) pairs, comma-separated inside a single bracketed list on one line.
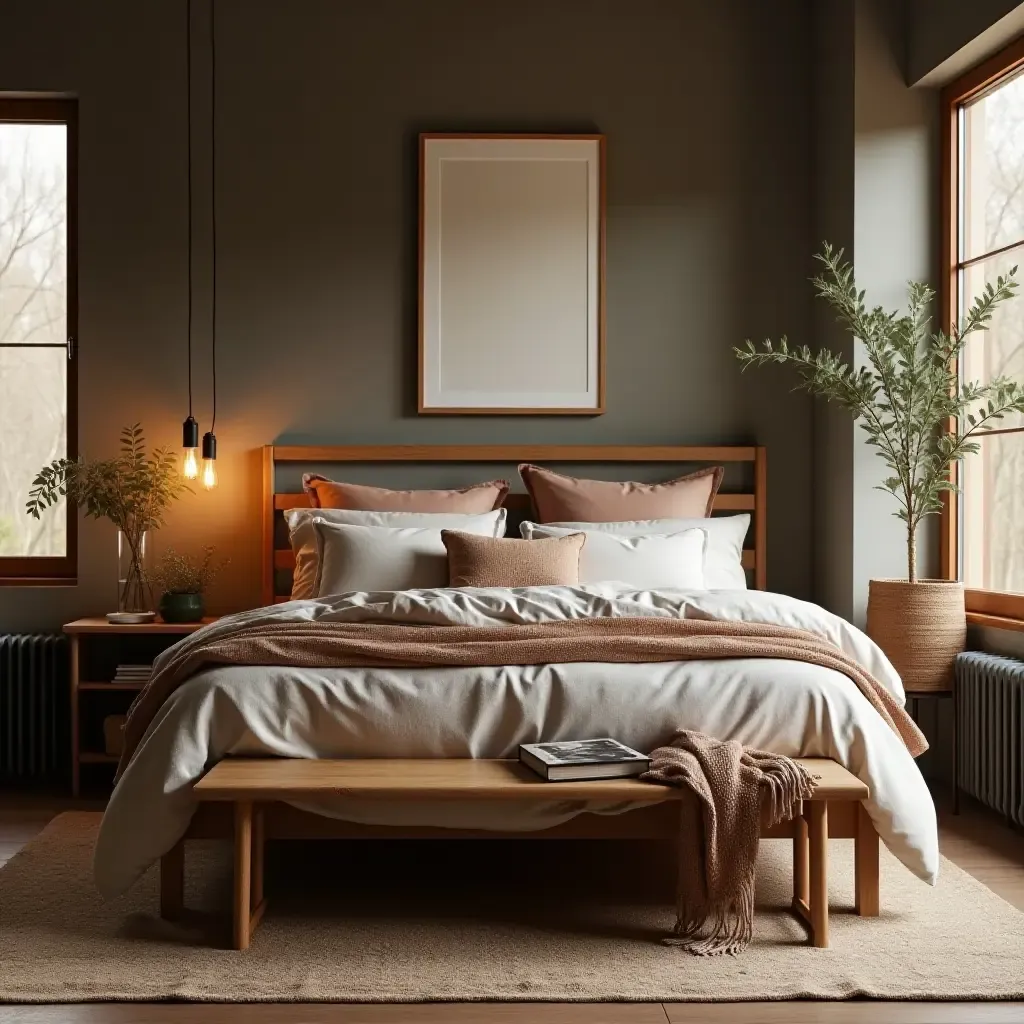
[(179, 573)]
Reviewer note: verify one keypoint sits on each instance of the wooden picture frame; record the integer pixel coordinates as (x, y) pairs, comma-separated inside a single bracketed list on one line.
[(511, 274)]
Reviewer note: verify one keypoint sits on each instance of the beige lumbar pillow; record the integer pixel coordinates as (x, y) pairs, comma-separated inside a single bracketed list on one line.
[(475, 561)]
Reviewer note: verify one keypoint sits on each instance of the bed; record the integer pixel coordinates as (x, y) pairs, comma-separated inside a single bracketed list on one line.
[(791, 707)]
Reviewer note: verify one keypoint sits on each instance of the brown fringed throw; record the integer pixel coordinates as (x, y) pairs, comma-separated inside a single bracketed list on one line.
[(720, 828)]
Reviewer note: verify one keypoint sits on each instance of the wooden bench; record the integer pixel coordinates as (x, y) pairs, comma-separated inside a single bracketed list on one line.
[(246, 799)]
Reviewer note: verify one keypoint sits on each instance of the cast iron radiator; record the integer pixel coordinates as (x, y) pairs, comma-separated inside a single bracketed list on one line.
[(34, 726), (990, 693)]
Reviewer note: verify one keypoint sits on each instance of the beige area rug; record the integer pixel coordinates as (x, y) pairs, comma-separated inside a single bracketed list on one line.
[(479, 920)]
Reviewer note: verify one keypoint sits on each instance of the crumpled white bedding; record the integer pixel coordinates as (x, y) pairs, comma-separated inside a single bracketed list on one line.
[(789, 707)]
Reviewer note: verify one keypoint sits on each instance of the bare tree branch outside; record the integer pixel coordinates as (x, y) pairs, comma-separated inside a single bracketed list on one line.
[(33, 315)]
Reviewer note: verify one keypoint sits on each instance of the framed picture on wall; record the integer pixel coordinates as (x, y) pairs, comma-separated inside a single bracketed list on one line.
[(511, 304)]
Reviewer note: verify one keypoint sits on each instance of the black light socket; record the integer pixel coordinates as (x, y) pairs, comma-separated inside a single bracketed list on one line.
[(209, 445), (190, 434)]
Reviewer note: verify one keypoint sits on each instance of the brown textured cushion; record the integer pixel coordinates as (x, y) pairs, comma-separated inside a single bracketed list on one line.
[(486, 562), (472, 500), (559, 498)]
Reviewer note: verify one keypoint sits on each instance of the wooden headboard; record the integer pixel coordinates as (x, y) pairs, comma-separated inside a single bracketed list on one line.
[(278, 560)]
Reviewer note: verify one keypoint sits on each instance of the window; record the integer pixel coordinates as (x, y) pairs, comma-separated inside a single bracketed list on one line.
[(983, 237), (38, 364)]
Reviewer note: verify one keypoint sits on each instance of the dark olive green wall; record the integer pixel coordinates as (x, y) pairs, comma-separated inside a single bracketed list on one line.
[(707, 110)]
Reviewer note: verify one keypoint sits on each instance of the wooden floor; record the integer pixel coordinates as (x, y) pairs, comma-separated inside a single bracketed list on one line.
[(976, 840)]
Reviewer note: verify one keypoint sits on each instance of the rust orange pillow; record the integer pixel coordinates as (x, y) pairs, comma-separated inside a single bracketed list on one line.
[(472, 500), (558, 498)]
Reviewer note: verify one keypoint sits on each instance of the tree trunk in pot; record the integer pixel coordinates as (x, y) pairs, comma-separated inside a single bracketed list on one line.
[(921, 627)]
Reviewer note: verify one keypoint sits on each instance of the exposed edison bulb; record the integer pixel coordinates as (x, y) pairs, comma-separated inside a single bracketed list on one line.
[(209, 460), (190, 463), (190, 448)]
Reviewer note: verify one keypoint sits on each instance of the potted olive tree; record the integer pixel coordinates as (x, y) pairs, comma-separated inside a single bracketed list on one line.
[(133, 490), (921, 419)]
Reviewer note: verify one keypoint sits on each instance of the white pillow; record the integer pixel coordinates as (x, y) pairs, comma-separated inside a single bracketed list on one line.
[(353, 558), (303, 538), (646, 562), (723, 552)]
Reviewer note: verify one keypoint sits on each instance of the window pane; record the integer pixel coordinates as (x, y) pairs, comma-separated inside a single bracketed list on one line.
[(993, 170), (33, 309), (993, 510), (999, 351), (32, 432)]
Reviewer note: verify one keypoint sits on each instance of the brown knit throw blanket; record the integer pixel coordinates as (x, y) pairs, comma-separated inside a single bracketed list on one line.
[(720, 828), (321, 644)]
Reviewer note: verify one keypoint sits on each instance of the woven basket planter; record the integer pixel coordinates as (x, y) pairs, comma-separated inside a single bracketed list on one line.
[(921, 627)]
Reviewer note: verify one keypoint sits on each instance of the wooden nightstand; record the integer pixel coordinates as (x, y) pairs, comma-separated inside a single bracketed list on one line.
[(97, 648)]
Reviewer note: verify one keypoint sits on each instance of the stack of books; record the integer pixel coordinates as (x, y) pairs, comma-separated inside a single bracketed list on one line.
[(138, 674), (574, 760)]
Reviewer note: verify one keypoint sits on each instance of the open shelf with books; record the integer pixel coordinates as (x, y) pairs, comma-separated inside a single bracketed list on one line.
[(110, 664)]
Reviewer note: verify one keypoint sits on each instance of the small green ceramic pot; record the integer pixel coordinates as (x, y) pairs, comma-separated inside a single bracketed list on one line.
[(181, 607)]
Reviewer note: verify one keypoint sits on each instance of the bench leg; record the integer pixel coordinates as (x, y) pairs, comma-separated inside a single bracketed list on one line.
[(817, 824), (172, 882), (866, 865), (243, 873), (801, 877), (257, 860), (258, 902)]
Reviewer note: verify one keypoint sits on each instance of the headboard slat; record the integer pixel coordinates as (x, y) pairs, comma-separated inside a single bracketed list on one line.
[(513, 453), (277, 560)]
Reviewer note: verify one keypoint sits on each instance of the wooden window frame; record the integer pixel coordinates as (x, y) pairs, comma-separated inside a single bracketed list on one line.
[(59, 570), (984, 607)]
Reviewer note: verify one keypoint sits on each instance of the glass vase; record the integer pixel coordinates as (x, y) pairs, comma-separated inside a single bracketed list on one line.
[(132, 589)]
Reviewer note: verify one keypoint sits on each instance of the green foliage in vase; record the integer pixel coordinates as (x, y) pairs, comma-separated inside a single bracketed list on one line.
[(133, 490), (182, 574), (918, 415)]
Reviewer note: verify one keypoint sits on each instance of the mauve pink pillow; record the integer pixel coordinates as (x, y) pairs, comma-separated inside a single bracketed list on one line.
[(473, 500), (559, 499)]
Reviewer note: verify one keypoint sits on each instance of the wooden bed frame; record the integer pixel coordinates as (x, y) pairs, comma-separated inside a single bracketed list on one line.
[(277, 560), (281, 821)]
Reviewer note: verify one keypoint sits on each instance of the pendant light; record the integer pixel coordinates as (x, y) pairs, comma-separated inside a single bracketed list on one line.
[(189, 429), (210, 438)]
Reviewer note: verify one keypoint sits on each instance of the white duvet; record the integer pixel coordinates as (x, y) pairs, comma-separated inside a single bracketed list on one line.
[(789, 707)]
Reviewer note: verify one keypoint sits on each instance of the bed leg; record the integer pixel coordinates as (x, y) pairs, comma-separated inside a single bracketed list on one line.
[(172, 882), (867, 897), (258, 846), (243, 873)]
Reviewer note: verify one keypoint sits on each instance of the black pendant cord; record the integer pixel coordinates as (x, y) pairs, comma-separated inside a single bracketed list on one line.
[(188, 118), (213, 210)]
